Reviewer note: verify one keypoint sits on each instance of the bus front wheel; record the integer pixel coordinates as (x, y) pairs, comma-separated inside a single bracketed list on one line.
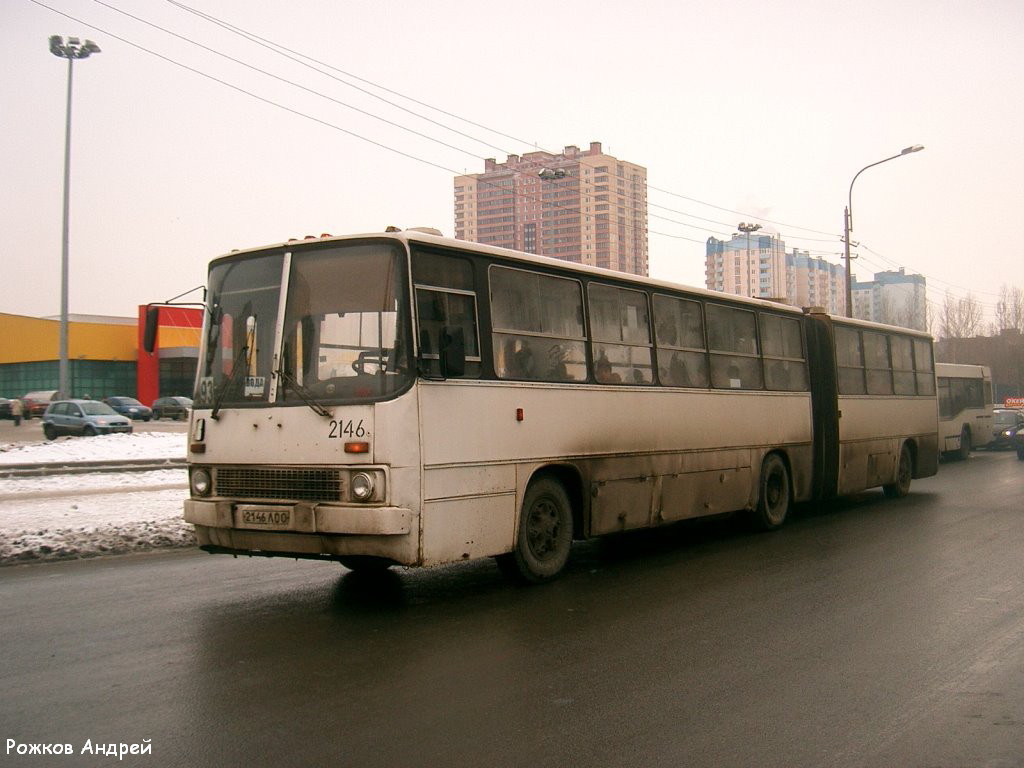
[(365, 563), (545, 534), (773, 494), (904, 472)]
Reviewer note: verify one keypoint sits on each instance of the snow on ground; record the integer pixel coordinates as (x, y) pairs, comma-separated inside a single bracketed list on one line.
[(138, 445), (84, 515)]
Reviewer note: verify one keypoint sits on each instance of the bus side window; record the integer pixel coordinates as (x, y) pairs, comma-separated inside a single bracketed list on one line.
[(679, 332), (782, 345), (621, 332), (735, 363), (877, 364), (849, 361), (537, 325), (902, 365), (924, 367), (438, 310)]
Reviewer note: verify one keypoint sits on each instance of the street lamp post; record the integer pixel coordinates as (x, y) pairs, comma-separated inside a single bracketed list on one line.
[(848, 221), (70, 50), (748, 228)]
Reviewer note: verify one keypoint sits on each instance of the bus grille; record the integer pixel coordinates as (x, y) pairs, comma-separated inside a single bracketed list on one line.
[(291, 484)]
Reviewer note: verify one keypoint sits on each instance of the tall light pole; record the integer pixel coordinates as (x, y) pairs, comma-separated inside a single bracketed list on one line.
[(70, 50), (748, 228), (848, 221)]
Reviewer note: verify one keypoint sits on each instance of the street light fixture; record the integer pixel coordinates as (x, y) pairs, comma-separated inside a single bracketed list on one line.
[(848, 221), (748, 228), (70, 50)]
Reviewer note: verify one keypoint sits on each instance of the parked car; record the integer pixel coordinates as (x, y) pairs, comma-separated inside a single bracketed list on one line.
[(1006, 424), (176, 408), (5, 408), (130, 407), (82, 417), (36, 402)]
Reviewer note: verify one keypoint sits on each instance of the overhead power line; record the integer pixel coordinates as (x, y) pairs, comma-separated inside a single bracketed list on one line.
[(296, 56)]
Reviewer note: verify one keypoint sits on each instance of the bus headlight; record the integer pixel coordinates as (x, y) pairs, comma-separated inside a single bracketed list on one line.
[(362, 487), (200, 482)]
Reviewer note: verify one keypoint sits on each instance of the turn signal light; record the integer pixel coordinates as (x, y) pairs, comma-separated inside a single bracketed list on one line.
[(357, 447)]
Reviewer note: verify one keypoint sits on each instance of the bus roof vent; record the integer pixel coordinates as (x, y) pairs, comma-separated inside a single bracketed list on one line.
[(393, 229), (815, 311), (427, 230)]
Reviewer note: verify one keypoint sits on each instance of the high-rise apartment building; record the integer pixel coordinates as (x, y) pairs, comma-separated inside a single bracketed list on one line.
[(895, 298), (756, 264), (813, 282), (583, 206), (750, 264)]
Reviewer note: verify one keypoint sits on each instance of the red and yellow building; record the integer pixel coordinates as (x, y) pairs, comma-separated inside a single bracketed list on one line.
[(105, 355)]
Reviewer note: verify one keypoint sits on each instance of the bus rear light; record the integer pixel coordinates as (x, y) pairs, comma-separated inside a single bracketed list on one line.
[(520, 415), (357, 447)]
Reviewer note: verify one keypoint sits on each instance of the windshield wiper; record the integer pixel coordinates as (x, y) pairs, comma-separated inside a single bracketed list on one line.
[(218, 398), (304, 394)]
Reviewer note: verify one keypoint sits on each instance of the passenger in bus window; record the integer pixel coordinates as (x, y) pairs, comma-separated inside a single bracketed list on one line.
[(678, 373), (519, 359), (556, 364), (603, 370)]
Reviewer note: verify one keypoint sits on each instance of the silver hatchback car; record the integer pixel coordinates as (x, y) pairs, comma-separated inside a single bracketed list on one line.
[(82, 417)]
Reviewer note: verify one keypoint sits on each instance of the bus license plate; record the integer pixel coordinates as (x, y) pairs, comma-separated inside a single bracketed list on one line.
[(262, 516)]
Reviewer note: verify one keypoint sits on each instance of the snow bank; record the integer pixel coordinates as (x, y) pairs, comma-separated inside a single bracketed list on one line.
[(86, 515), (138, 445)]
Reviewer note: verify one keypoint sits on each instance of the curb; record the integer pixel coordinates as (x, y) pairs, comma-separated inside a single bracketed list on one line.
[(81, 467)]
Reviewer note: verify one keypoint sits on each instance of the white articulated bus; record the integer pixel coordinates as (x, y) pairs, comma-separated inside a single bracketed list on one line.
[(965, 407), (403, 398)]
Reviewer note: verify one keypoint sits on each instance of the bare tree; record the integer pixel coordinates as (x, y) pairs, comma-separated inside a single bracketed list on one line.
[(960, 318), (1010, 308)]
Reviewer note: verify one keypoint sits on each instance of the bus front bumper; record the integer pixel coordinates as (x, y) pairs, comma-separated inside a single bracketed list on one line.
[(300, 518)]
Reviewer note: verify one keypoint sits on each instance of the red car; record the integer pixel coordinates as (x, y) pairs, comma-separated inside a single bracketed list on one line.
[(35, 403)]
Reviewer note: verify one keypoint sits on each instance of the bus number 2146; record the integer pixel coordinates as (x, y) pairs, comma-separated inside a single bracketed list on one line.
[(346, 429)]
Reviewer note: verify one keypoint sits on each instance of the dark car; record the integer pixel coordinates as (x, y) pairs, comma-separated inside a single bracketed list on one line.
[(176, 408), (130, 407), (82, 417), (5, 408), (1006, 424)]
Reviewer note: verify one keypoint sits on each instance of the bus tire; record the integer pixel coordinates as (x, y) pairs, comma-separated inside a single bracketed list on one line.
[(965, 443), (904, 472), (545, 534), (365, 563), (773, 494)]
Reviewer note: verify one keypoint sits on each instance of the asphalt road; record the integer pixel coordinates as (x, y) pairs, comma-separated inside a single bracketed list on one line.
[(865, 633)]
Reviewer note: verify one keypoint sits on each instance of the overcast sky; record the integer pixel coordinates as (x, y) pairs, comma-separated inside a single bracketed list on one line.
[(740, 110)]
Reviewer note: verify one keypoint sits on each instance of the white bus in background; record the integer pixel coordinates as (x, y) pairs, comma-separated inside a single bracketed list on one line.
[(402, 398), (965, 408)]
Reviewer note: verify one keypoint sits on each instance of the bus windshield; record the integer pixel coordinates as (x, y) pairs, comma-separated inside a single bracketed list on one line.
[(344, 333)]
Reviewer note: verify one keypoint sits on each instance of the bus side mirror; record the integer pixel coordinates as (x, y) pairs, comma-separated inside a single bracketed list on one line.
[(453, 351), (149, 335)]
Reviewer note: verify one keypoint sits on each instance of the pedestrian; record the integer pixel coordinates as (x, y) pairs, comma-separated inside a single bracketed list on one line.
[(16, 411)]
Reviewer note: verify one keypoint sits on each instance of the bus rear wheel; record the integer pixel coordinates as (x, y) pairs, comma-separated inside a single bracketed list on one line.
[(545, 534), (773, 495), (904, 472), (965, 444)]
